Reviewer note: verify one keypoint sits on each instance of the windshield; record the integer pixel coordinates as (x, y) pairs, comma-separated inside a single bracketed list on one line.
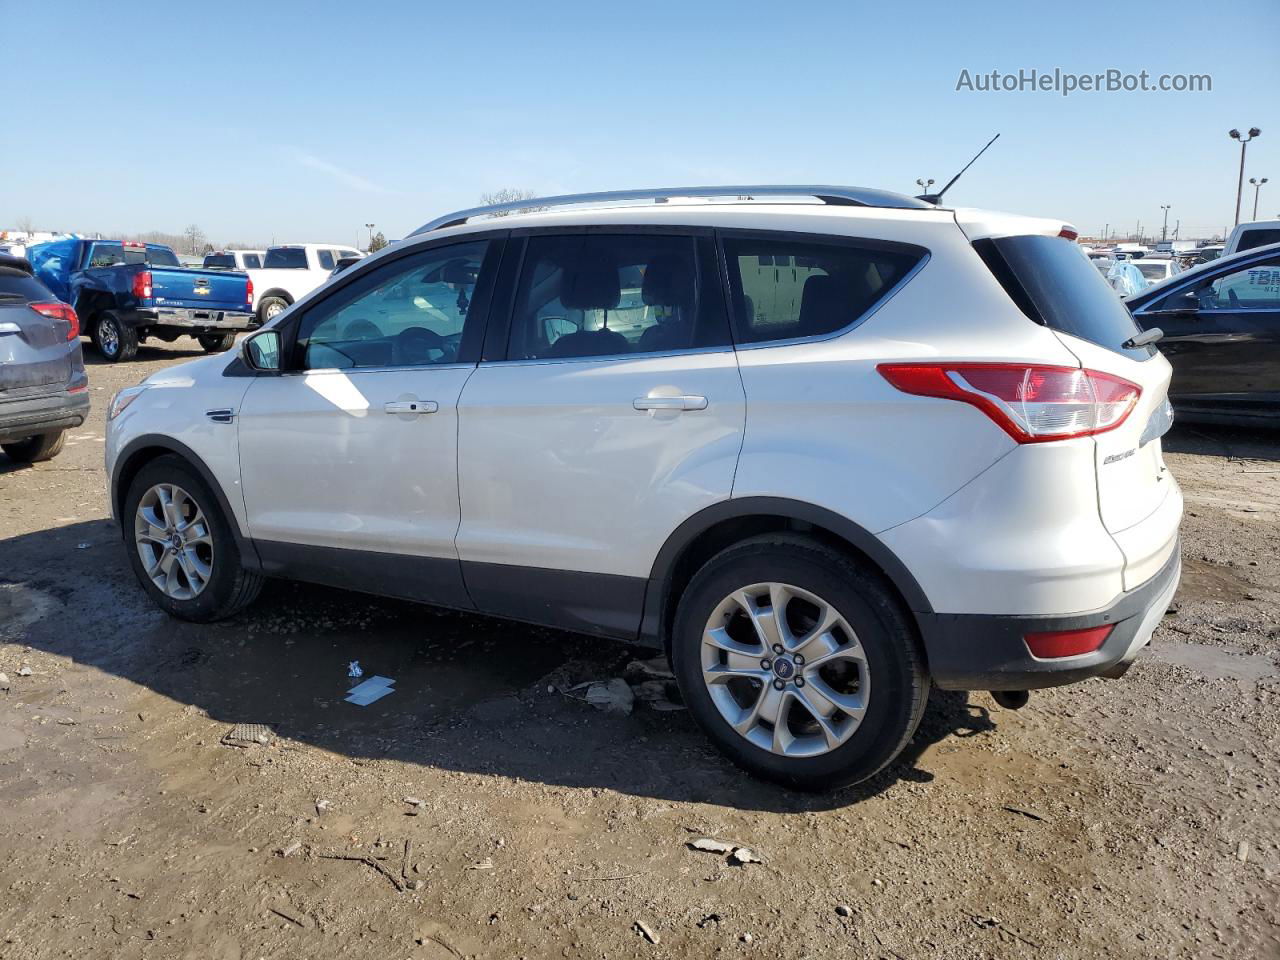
[(1055, 286), (286, 258)]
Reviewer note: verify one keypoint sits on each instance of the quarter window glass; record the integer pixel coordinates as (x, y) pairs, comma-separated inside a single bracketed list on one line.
[(601, 296), (787, 288), (252, 261), (326, 259), (407, 313)]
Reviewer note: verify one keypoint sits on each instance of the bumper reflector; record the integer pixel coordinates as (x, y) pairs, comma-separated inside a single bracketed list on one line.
[(1067, 643)]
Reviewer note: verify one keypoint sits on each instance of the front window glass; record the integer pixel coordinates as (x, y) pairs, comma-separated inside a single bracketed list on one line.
[(1256, 287), (407, 313)]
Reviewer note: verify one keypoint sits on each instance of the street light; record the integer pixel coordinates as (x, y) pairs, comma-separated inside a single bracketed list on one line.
[(1257, 185), (924, 185), (369, 227), (1164, 230), (1254, 132)]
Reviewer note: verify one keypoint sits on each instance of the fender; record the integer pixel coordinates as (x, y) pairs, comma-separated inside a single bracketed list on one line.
[(248, 551), (797, 510)]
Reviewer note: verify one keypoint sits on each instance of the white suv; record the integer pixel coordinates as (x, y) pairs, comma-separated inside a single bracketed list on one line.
[(827, 446)]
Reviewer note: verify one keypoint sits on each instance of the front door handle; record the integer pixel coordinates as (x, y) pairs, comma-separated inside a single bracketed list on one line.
[(670, 403), (410, 406)]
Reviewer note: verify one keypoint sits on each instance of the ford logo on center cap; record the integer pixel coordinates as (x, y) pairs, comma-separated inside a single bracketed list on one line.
[(784, 668)]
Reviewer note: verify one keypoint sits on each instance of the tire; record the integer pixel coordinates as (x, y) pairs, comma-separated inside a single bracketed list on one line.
[(227, 587), (269, 307), (44, 446), (115, 339), (217, 342), (884, 691)]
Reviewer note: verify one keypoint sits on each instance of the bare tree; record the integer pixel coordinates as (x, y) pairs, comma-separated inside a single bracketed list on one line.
[(26, 225), (195, 237), (509, 195)]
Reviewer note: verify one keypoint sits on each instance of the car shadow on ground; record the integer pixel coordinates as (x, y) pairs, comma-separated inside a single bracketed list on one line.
[(146, 351), (1234, 443), (471, 693)]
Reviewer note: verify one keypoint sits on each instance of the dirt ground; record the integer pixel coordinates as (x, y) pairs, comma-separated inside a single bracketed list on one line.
[(1129, 818)]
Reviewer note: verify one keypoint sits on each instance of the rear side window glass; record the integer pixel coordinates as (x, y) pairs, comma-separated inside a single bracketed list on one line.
[(786, 288), (1258, 238), (1055, 285), (326, 259), (252, 261), (594, 295), (19, 285), (108, 255)]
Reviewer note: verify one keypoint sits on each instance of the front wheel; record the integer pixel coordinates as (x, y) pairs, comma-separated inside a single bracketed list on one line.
[(181, 546), (216, 342), (800, 665), (114, 338), (44, 446)]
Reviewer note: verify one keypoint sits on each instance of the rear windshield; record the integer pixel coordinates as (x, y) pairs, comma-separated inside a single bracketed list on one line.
[(285, 258), (1056, 286), (219, 261), (15, 284), (1258, 238)]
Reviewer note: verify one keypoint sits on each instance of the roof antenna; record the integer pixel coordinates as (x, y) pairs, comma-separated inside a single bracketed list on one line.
[(936, 198)]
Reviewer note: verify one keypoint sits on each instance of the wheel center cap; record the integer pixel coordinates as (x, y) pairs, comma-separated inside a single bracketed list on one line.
[(175, 541), (784, 668)]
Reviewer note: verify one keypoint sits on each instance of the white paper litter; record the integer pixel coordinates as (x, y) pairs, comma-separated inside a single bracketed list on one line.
[(375, 688)]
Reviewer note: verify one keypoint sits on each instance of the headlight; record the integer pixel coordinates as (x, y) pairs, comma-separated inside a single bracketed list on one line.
[(122, 400)]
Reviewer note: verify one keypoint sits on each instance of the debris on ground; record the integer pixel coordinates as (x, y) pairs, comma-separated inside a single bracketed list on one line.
[(4, 681), (485, 864), (844, 910), (1029, 814), (647, 932), (353, 670), (323, 805), (738, 855), (375, 688), (248, 735), (708, 845), (612, 696), (1242, 851), (24, 671), (291, 849), (656, 668), (742, 856)]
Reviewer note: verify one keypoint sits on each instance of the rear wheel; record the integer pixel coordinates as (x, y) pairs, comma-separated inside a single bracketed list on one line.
[(182, 549), (270, 307), (44, 446), (800, 665), (216, 342), (114, 338)]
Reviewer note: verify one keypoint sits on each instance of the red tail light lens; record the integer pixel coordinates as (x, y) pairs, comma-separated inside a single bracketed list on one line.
[(55, 310), (1067, 643), (142, 284), (1030, 402), (248, 291), (1070, 232)]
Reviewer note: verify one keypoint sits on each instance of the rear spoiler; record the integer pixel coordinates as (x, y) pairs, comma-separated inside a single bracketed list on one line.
[(988, 224)]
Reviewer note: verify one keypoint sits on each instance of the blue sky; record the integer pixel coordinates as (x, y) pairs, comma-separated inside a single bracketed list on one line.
[(303, 121)]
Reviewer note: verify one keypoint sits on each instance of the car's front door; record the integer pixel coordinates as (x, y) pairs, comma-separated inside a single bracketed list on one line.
[(614, 412), (349, 457), (1222, 336)]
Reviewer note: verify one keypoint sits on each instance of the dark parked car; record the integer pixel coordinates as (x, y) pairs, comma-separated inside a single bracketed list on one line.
[(1221, 323), (43, 387)]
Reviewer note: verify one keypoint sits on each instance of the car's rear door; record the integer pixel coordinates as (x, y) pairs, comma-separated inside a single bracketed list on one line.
[(614, 412), (349, 458)]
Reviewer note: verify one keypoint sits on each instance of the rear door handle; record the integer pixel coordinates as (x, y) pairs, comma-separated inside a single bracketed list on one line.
[(670, 403), (410, 406)]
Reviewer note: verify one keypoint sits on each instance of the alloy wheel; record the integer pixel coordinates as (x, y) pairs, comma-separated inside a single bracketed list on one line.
[(174, 541)]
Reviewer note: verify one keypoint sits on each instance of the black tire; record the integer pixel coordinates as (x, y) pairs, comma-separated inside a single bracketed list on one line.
[(899, 682), (231, 587), (44, 446), (267, 304), (216, 342), (115, 339)]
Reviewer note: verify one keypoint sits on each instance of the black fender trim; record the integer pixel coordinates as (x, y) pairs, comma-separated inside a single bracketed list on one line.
[(249, 558), (659, 585)]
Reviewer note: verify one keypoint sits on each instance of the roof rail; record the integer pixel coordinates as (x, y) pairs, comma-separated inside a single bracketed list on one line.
[(839, 196)]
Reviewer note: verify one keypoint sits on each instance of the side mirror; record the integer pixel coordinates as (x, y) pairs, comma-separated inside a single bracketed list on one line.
[(262, 351)]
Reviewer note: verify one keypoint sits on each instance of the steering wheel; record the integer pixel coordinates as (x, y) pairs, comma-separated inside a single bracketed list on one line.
[(413, 346), (1234, 299)]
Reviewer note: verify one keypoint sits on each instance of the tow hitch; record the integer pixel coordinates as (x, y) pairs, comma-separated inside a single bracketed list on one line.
[(1011, 699)]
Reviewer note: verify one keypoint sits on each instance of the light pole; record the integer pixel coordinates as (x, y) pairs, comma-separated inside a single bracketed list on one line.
[(924, 185), (1254, 132), (1164, 229), (1257, 185), (369, 227)]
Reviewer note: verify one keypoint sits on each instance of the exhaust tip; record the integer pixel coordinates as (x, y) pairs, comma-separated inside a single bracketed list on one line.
[(1011, 699)]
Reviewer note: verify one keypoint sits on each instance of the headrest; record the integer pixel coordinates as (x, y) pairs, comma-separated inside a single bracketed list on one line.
[(668, 282), (590, 282)]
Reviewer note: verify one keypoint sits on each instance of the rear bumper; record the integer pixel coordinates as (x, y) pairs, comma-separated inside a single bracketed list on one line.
[(194, 319), (20, 419), (981, 652)]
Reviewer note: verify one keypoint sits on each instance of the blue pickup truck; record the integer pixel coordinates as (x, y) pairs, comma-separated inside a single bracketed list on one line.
[(124, 292)]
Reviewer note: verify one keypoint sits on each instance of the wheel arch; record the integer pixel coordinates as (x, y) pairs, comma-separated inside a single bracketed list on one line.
[(143, 450), (721, 525)]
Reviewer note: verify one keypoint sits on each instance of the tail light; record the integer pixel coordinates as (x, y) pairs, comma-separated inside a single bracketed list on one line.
[(1067, 643), (142, 284), (1030, 402), (1070, 232), (248, 291), (56, 310)]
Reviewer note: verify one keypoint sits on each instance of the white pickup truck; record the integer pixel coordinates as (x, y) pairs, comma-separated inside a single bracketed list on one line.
[(291, 271)]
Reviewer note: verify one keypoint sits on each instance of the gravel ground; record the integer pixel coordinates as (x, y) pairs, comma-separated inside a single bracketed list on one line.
[(1129, 818)]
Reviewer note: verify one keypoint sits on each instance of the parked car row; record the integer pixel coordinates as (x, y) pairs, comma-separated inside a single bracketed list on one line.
[(282, 275)]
